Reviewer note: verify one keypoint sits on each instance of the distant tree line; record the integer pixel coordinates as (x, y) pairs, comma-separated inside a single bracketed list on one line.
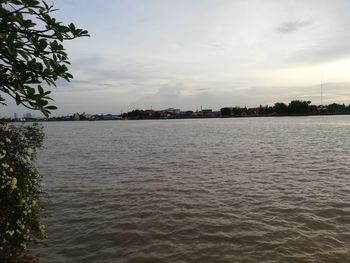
[(135, 114), (295, 107)]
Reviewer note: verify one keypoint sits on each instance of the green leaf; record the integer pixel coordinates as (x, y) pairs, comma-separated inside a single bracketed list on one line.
[(30, 92), (35, 56), (71, 26), (41, 90), (51, 107), (59, 36), (12, 51), (18, 100), (23, 54), (42, 44), (46, 113)]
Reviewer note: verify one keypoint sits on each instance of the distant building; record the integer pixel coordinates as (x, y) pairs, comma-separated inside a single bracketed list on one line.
[(108, 117), (149, 113), (155, 113), (173, 111), (187, 114), (207, 112)]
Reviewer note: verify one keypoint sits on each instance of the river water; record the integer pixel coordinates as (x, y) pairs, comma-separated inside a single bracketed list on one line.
[(204, 190)]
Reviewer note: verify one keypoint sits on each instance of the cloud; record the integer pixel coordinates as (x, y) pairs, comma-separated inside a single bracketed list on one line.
[(105, 69), (321, 54), (100, 73), (140, 53), (175, 96), (292, 26)]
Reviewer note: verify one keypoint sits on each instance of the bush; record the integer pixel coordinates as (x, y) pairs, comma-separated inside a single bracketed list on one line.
[(20, 189)]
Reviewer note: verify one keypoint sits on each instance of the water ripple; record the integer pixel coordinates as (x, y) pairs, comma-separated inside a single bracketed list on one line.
[(231, 190)]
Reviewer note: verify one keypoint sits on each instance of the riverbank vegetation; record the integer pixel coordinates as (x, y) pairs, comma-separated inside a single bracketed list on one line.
[(20, 190), (32, 58), (294, 108)]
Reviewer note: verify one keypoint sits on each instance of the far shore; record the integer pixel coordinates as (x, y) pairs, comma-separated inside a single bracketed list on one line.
[(179, 118)]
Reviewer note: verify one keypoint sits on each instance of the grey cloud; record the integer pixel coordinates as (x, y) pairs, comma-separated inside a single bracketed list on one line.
[(96, 101), (292, 26), (172, 96), (88, 60), (94, 69), (91, 73), (217, 46), (331, 92), (202, 89), (77, 85), (320, 54)]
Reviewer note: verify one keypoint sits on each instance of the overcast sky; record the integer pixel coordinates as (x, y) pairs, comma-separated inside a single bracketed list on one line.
[(214, 53)]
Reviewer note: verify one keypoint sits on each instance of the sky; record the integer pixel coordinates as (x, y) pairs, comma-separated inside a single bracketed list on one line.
[(211, 53)]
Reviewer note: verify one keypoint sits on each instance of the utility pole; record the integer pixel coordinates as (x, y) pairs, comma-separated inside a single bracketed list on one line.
[(321, 88)]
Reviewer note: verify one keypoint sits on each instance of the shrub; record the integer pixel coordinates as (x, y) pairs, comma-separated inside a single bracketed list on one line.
[(20, 189)]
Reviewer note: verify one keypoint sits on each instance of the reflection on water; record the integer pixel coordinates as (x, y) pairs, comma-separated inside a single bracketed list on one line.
[(216, 190)]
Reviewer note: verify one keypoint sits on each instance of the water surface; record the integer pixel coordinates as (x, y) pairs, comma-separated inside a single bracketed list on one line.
[(207, 190)]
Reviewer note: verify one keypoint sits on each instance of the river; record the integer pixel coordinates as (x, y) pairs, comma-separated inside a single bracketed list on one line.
[(203, 190)]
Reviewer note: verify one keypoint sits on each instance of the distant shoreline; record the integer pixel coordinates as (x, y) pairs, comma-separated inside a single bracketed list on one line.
[(296, 108), (185, 118)]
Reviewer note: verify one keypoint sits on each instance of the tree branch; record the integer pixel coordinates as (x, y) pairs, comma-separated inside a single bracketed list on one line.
[(13, 12)]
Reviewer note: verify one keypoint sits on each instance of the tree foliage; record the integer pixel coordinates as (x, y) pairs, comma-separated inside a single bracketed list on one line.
[(298, 107), (20, 189), (31, 52), (280, 108)]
